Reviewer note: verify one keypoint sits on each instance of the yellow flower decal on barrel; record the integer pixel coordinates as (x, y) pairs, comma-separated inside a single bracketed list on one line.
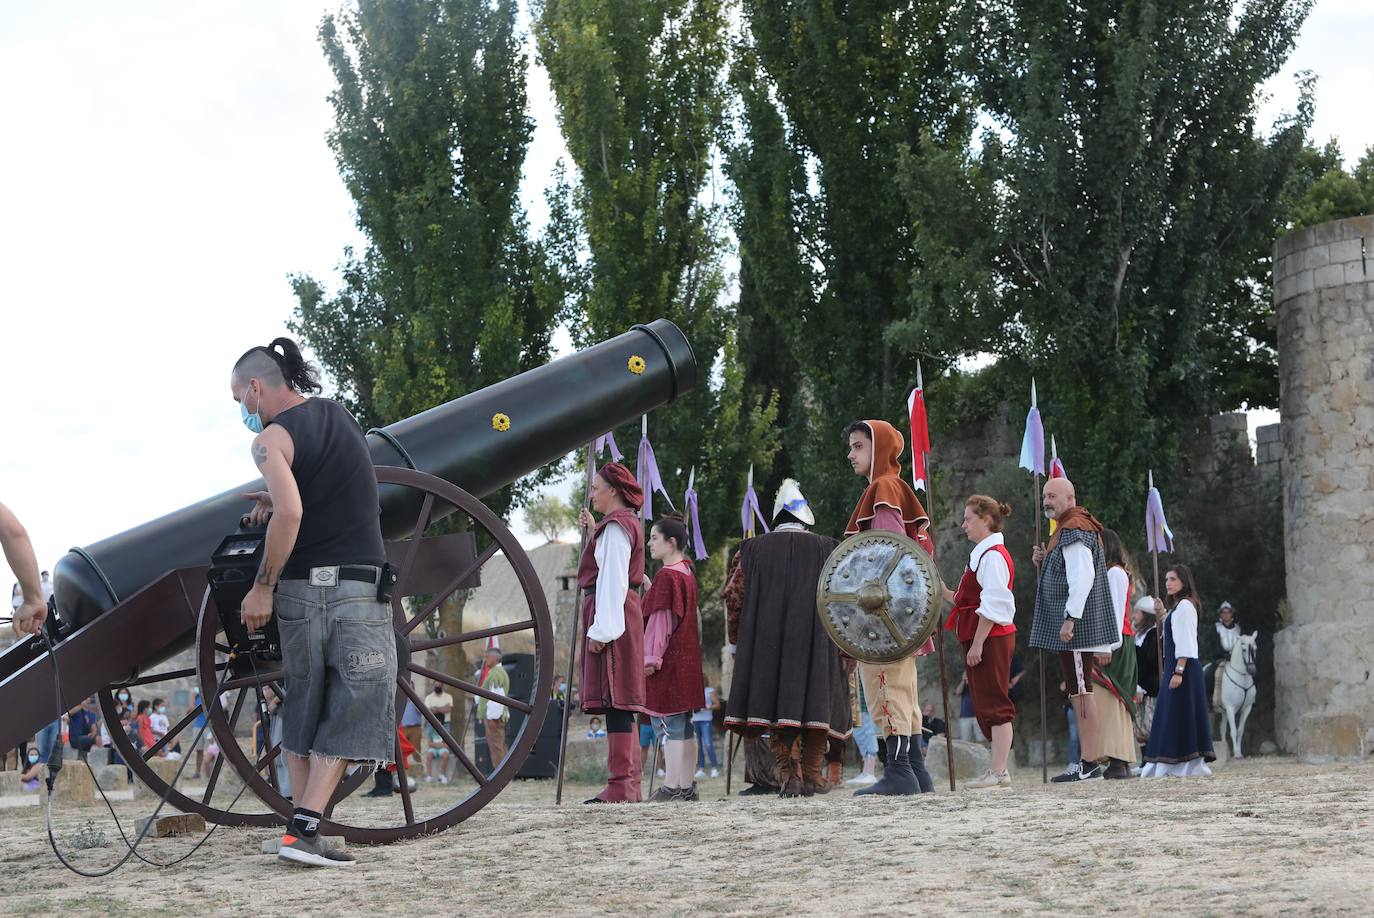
[(500, 422), (636, 364)]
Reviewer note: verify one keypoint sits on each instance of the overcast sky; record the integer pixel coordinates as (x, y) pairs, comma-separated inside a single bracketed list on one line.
[(164, 169)]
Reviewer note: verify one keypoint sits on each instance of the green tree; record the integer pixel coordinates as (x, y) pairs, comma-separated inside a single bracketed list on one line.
[(1137, 208), (450, 294), (1334, 193), (640, 94), (834, 99), (549, 516)]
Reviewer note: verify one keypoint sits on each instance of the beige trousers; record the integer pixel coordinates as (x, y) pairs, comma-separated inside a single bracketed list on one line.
[(890, 691)]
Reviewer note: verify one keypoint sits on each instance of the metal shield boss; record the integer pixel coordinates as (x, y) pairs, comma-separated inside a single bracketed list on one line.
[(879, 596)]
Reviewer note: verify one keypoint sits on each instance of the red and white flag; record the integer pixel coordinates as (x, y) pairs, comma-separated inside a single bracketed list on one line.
[(920, 437)]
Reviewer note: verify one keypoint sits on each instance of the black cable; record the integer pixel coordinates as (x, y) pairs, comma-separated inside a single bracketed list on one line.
[(133, 847)]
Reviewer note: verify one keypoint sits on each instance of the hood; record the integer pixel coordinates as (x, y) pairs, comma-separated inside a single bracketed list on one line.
[(887, 450)]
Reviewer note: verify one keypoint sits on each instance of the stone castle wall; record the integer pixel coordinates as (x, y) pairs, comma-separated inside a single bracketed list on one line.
[(1324, 299)]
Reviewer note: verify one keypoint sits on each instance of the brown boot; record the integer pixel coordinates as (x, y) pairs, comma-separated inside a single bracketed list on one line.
[(813, 746), (786, 752)]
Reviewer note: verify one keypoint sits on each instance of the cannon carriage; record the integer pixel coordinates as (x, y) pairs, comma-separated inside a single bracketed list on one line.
[(126, 606)]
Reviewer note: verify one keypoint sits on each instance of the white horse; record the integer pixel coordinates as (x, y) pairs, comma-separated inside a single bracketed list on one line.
[(1238, 689)]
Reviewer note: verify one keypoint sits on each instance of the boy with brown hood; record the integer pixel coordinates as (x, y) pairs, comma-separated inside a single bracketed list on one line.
[(889, 503)]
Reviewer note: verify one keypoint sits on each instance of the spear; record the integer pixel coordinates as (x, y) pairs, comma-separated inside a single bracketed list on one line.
[(576, 630), (920, 440), (1158, 537), (1033, 460)]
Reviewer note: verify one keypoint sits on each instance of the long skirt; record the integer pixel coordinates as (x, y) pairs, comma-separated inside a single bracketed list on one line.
[(1118, 733), (1181, 735)]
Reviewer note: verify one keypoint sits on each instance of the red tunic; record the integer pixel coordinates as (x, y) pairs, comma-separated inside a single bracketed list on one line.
[(678, 686), (963, 619), (614, 678)]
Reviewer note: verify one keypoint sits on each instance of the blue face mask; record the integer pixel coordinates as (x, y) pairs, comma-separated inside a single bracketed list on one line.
[(251, 419)]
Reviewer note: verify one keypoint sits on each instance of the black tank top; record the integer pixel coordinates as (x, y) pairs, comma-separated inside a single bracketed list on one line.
[(340, 519)]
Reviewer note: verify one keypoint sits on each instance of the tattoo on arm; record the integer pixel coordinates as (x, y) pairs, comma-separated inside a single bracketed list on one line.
[(259, 454), (267, 576)]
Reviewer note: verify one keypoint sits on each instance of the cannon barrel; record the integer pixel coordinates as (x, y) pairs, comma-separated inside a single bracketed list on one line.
[(551, 410)]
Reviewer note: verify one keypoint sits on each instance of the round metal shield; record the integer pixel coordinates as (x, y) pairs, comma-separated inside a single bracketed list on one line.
[(879, 596)]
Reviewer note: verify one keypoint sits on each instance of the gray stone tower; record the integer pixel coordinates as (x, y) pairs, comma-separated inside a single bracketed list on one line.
[(1324, 658)]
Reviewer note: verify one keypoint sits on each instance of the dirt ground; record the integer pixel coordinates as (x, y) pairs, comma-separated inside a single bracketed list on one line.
[(1263, 836)]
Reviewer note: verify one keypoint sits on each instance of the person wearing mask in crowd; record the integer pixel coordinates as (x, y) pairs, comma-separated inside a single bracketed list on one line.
[(1181, 736), (982, 622), (1115, 676), (889, 504), (158, 722), (1073, 614), (321, 576), (609, 574), (789, 680), (439, 702), (672, 657), (83, 724), (594, 729), (436, 754)]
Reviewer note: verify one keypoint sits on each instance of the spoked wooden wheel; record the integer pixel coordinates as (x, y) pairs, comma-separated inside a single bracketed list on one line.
[(429, 574), (222, 809)]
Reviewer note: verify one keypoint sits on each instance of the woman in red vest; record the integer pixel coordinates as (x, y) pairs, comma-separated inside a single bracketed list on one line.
[(672, 657), (609, 574), (982, 621)]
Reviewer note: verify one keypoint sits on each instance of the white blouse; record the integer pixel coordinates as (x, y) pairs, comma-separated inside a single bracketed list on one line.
[(1119, 583), (1183, 626), (996, 603), (612, 584)]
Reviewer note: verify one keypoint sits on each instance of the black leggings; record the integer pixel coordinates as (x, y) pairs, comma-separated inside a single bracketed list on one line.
[(619, 721)]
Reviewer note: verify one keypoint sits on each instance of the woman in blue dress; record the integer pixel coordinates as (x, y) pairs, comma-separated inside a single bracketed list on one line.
[(1181, 736)]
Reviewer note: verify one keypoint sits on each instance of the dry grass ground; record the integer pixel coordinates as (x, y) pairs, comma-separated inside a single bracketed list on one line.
[(1263, 836)]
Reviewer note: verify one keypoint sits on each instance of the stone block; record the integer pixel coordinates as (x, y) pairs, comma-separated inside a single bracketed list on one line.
[(1326, 738), (1294, 242), (167, 768), (1346, 250), (970, 761), (1311, 259), (1269, 433), (10, 785), (111, 777), (74, 786), (1330, 276), (175, 824), (1358, 272), (1228, 423)]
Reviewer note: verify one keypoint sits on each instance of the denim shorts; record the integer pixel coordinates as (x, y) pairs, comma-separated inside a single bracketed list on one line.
[(674, 726), (339, 653)]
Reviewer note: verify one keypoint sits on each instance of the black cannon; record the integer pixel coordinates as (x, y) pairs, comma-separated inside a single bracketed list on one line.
[(126, 605)]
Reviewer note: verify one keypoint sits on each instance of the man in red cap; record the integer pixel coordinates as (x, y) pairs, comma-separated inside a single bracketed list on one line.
[(609, 573)]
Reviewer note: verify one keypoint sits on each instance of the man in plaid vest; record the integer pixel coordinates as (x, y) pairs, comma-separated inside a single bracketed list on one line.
[(1073, 614)]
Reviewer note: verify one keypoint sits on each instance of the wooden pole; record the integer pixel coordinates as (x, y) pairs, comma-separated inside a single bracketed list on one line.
[(940, 635), (1044, 740), (1159, 628), (732, 741), (576, 632)]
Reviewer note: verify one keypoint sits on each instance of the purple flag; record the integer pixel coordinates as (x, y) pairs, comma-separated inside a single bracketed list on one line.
[(1158, 536), (649, 478), (749, 511), (607, 441), (698, 544)]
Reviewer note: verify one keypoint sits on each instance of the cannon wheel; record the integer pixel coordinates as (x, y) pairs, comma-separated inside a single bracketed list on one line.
[(184, 729), (432, 491)]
